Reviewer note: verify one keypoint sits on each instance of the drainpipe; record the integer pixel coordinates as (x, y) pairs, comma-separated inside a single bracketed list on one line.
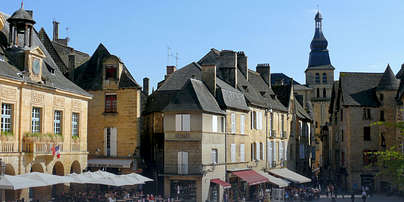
[(19, 128), (266, 138)]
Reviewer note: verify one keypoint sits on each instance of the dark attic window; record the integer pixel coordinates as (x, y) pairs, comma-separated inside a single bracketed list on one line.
[(110, 72), (50, 69)]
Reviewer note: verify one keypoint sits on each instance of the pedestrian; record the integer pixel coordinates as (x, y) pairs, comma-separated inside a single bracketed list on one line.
[(328, 191), (364, 195), (352, 197)]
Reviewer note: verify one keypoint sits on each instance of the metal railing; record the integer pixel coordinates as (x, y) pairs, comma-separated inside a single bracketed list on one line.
[(183, 169)]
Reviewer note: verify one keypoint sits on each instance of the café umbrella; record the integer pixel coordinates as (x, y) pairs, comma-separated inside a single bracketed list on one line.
[(11, 182)]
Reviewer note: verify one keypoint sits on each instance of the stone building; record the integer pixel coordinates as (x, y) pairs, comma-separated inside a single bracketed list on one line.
[(41, 109), (66, 57), (246, 135), (114, 112), (358, 101)]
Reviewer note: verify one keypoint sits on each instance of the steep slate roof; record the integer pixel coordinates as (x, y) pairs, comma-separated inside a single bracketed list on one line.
[(388, 80), (276, 78), (194, 96), (89, 75), (56, 80), (251, 94), (359, 89), (227, 96), (283, 93), (266, 92), (52, 51)]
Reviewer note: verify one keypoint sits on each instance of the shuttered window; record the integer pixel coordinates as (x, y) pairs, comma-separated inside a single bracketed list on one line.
[(242, 124), (214, 123), (182, 122), (242, 153), (269, 155), (214, 156), (110, 142), (259, 121), (233, 123), (182, 163), (258, 151), (233, 152)]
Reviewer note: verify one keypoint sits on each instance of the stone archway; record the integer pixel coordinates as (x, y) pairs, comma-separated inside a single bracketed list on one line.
[(76, 168), (38, 193), (58, 169), (11, 194)]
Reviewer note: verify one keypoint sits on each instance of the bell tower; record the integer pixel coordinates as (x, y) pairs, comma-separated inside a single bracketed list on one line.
[(319, 75)]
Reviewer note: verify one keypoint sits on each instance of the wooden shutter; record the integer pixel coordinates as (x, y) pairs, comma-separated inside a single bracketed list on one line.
[(178, 122), (269, 150), (114, 140), (233, 123), (259, 120), (233, 152), (263, 151), (242, 153), (285, 147), (257, 146), (105, 142), (186, 122), (242, 122), (301, 151), (214, 123), (185, 162), (281, 155), (179, 163)]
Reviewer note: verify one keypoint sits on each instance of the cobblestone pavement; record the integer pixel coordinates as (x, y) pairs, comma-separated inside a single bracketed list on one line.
[(376, 198)]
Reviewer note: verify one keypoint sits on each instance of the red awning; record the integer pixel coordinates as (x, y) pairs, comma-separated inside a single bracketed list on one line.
[(251, 177), (221, 182)]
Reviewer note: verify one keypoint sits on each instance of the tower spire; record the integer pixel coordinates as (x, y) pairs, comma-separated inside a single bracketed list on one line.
[(319, 54)]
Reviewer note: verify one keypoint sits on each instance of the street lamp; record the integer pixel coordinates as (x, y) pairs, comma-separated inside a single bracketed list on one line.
[(2, 172)]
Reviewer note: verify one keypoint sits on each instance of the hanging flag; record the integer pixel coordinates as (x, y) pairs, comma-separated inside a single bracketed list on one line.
[(57, 151), (53, 150)]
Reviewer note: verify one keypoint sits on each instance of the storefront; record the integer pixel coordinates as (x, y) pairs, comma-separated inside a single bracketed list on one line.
[(185, 190), (214, 189), (246, 184)]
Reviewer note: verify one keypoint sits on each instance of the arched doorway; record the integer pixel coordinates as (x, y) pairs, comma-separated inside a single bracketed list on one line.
[(10, 194), (76, 168), (38, 193), (58, 169)]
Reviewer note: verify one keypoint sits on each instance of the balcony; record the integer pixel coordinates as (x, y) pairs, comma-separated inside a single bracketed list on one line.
[(283, 134), (7, 147), (273, 134), (41, 144), (182, 169)]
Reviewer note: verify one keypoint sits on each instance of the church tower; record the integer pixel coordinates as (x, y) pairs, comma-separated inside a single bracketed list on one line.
[(319, 75)]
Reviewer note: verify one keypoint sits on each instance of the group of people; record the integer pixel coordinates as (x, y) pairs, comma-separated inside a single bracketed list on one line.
[(109, 196)]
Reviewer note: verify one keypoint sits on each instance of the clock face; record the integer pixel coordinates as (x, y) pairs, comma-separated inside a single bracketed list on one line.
[(36, 66)]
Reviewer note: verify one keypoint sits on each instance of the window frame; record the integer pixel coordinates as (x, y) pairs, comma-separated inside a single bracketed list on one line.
[(57, 121), (36, 120), (324, 78), (75, 124), (242, 124), (233, 122), (7, 126), (111, 103), (214, 156), (367, 135), (108, 70), (214, 124), (317, 78), (183, 122)]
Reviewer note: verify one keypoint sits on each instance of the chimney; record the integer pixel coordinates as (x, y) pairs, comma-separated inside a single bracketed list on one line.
[(146, 86), (227, 66), (265, 71), (71, 66), (209, 77), (242, 63), (31, 13), (55, 31), (170, 70)]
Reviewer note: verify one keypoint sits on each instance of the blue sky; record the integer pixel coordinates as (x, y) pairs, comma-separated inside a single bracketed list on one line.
[(362, 35)]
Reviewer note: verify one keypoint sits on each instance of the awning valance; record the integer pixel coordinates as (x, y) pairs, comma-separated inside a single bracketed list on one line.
[(110, 163), (274, 180), (218, 181), (251, 177), (290, 175)]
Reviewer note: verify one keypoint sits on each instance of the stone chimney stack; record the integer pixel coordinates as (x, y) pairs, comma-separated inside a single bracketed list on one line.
[(170, 70), (265, 71), (227, 66), (146, 86), (242, 64), (209, 77), (55, 31), (71, 66)]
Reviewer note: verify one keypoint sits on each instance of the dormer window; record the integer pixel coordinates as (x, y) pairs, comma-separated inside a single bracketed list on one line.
[(36, 66), (110, 72)]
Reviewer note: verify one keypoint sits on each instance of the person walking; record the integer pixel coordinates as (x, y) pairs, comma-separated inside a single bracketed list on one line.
[(352, 197), (364, 196)]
